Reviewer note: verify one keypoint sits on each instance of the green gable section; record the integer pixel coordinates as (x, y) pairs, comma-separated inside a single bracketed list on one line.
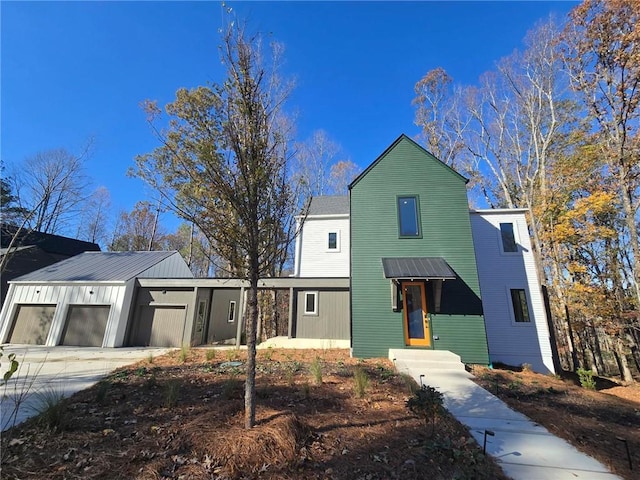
[(406, 169)]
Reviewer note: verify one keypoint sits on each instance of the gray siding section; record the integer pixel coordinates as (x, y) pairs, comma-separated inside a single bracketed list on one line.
[(332, 320), (219, 328), (85, 325)]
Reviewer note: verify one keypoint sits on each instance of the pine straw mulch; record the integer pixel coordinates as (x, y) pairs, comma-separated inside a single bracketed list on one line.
[(166, 418), (592, 421)]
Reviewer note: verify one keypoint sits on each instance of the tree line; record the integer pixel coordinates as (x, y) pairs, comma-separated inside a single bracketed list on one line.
[(554, 128)]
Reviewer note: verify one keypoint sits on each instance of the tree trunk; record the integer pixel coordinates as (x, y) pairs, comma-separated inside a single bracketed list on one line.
[(630, 220), (621, 359), (572, 345), (251, 325)]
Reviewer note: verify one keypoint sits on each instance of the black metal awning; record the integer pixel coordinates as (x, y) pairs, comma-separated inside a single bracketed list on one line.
[(427, 268)]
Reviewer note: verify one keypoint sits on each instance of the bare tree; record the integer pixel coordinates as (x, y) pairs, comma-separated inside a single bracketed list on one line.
[(313, 162), (93, 224), (342, 173), (223, 165), (52, 185), (138, 230)]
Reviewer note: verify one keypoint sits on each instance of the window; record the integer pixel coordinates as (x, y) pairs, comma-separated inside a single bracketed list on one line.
[(408, 218), (520, 307), (310, 303), (202, 310), (232, 312), (509, 244), (333, 241)]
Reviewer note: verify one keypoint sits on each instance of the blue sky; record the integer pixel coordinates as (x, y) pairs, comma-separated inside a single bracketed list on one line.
[(74, 70)]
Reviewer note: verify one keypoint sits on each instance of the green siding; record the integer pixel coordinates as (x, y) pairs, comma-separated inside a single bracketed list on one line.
[(407, 169)]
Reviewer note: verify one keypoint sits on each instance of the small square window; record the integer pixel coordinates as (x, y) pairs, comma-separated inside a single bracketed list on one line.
[(333, 240), (231, 317), (509, 244), (520, 306), (408, 219), (310, 303)]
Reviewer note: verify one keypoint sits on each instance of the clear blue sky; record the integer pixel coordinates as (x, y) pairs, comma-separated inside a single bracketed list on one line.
[(74, 70)]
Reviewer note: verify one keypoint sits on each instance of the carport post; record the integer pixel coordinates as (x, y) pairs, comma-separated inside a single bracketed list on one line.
[(290, 329), (240, 317)]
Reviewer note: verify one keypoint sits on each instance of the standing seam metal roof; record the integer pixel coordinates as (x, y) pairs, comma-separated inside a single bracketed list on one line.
[(98, 267)]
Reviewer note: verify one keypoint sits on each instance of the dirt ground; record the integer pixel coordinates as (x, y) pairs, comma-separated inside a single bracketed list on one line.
[(180, 416), (597, 422)]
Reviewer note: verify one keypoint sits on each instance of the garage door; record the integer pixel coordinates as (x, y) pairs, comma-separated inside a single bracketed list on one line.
[(31, 324), (159, 326), (85, 325)]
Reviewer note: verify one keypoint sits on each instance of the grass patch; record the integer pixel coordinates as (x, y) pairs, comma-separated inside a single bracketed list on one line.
[(361, 382)]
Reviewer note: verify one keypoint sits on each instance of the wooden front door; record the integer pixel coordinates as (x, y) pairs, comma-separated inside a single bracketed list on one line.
[(416, 321)]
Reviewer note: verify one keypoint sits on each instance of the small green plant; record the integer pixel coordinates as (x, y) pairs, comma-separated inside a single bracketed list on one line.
[(232, 354), (13, 366), (141, 371), (52, 409), (150, 358), (586, 379), (427, 402), (361, 382), (101, 392), (306, 390), (210, 355), (151, 382), (527, 367), (316, 371), (268, 354), (184, 352), (172, 393), (409, 383)]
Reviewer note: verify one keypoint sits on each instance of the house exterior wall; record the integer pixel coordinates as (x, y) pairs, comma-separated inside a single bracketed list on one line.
[(331, 320), (407, 169), (510, 342), (64, 295), (220, 328), (314, 258)]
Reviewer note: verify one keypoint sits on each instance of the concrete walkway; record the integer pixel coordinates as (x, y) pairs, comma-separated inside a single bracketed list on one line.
[(59, 372), (524, 449)]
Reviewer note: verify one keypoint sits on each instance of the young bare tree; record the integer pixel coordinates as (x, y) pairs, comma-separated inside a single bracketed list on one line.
[(93, 224), (138, 230), (223, 165), (313, 162)]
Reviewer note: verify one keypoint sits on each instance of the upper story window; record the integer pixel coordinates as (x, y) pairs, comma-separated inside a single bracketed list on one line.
[(332, 241), (509, 244), (408, 217), (520, 306)]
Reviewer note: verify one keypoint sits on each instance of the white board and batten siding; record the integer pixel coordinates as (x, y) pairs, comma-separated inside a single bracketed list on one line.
[(63, 297), (313, 256), (510, 342)]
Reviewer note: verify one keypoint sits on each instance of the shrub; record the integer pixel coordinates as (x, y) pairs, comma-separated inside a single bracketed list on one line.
[(52, 409), (172, 393), (210, 355), (586, 379), (184, 353), (427, 403)]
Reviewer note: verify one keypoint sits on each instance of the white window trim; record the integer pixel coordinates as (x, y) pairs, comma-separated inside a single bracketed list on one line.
[(512, 315), (315, 303), (515, 238), (333, 250), (231, 319)]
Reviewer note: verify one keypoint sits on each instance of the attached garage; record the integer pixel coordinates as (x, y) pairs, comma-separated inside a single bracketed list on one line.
[(159, 326), (31, 324), (85, 325), (87, 300)]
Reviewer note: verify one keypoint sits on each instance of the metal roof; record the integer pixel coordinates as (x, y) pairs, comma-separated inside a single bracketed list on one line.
[(98, 267), (329, 205), (417, 267), (48, 242)]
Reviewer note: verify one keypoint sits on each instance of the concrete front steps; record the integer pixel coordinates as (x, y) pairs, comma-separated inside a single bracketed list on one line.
[(430, 362)]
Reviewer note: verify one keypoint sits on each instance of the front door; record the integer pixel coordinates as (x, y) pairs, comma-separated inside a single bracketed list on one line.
[(416, 321)]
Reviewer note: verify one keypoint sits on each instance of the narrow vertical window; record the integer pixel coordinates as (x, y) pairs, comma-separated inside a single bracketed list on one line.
[(310, 303), (232, 312), (520, 306), (408, 221), (509, 244), (333, 240)]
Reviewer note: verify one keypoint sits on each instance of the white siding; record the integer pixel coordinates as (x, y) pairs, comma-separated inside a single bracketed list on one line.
[(314, 259), (62, 296), (510, 342)]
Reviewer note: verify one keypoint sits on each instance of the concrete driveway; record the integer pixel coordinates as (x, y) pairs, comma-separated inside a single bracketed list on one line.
[(59, 371)]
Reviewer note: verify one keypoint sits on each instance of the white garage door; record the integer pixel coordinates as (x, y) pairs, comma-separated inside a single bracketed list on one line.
[(158, 326), (31, 324), (85, 325)]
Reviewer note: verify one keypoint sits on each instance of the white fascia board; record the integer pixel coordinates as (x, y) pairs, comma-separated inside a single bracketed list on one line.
[(504, 211)]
